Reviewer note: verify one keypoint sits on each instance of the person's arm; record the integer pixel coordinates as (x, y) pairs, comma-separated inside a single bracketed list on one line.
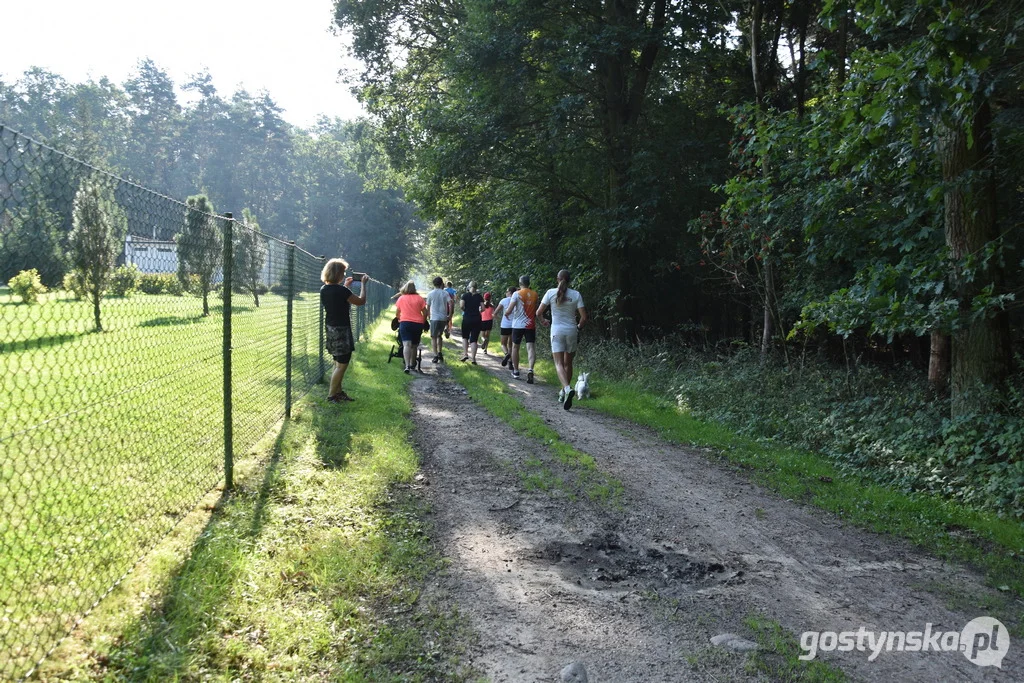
[(582, 310), (361, 299), (512, 306), (462, 305), (540, 314)]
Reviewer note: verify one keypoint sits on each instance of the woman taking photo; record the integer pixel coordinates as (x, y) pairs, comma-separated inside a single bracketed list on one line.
[(564, 303), (412, 312), (337, 299)]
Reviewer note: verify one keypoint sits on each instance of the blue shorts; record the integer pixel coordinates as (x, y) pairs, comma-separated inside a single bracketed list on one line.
[(410, 332)]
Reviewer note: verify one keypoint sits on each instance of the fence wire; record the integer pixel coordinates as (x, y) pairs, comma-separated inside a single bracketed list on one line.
[(119, 361)]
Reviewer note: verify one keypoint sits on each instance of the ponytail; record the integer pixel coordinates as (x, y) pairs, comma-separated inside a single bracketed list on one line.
[(563, 286)]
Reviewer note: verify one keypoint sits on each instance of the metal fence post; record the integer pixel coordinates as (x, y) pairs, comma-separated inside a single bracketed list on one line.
[(289, 334), (229, 264), (323, 366)]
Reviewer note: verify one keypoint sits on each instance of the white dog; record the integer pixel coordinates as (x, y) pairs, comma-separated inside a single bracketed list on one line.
[(583, 385)]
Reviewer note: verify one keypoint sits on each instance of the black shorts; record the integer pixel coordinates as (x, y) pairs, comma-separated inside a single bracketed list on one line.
[(410, 332), (486, 325), (471, 329), (506, 331), (519, 335)]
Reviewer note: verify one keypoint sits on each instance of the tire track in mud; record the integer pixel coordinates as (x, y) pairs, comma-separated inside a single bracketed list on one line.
[(636, 593)]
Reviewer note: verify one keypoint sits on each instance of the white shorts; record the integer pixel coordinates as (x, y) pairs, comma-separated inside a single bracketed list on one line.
[(564, 343)]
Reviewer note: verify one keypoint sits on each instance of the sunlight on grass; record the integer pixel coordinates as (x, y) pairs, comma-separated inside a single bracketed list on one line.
[(312, 570)]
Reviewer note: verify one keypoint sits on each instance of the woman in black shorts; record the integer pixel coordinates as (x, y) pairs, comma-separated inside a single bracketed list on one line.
[(471, 304), (336, 300)]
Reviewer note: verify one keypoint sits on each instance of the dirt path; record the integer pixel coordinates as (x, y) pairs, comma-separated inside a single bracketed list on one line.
[(636, 593)]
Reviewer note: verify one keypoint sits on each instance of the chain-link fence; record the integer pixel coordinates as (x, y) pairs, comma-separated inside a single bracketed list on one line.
[(143, 342)]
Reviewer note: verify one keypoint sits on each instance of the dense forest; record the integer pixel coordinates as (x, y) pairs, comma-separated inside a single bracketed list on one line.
[(841, 173), (329, 188)]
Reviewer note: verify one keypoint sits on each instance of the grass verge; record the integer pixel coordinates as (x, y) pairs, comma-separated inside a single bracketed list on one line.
[(497, 398), (312, 568), (949, 530)]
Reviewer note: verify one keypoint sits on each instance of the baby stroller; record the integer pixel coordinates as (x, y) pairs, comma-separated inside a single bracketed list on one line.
[(396, 349)]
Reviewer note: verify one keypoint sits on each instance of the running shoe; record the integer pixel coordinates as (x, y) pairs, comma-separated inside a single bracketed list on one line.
[(568, 399), (406, 371), (515, 374), (529, 377), (561, 395), (335, 398), (435, 359), (344, 397), (506, 359)]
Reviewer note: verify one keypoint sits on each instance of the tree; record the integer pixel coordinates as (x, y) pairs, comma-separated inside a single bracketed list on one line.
[(96, 239), (199, 247), (250, 254)]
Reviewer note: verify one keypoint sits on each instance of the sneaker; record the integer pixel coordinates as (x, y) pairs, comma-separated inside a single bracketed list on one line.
[(464, 359), (406, 371), (344, 397), (335, 398), (568, 399), (515, 374), (561, 395), (473, 362), (529, 377), (435, 359), (506, 359)]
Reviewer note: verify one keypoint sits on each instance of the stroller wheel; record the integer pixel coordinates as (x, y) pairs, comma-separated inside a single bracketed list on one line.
[(392, 354)]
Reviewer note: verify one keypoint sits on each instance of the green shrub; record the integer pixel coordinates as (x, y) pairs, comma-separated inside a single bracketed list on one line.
[(155, 283), (74, 283), (125, 280), (885, 424), (28, 285)]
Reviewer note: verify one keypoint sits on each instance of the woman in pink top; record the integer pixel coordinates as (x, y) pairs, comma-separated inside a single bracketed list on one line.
[(487, 321), (412, 314)]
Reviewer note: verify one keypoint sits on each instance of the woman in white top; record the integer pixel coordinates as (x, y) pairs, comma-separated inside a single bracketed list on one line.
[(505, 325), (564, 303)]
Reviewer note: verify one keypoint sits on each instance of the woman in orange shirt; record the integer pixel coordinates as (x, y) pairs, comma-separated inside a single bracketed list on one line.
[(412, 314)]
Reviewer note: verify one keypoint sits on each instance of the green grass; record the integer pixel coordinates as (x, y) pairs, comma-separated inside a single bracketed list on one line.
[(947, 529), (777, 656), (572, 470), (313, 568), (108, 439)]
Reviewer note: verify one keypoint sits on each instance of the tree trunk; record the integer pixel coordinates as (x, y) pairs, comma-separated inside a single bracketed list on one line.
[(938, 361), (96, 309), (981, 351), (756, 22)]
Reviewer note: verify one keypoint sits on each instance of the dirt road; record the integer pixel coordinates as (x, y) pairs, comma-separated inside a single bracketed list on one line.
[(636, 591)]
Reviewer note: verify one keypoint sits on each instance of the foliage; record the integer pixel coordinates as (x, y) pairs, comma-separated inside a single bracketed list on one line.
[(96, 239), (883, 423), (250, 255), (74, 282), (125, 280), (199, 248), (28, 285)]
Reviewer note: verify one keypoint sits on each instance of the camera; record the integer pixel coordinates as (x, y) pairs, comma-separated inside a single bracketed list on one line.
[(358, 276)]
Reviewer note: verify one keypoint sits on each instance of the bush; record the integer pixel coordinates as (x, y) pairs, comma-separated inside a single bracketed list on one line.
[(125, 280), (279, 288), (74, 283), (154, 283), (882, 423), (28, 285)]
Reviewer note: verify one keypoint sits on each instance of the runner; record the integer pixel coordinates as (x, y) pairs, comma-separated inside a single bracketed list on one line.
[(523, 309), (471, 304), (564, 304), (486, 322), (450, 288), (439, 307), (505, 325)]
